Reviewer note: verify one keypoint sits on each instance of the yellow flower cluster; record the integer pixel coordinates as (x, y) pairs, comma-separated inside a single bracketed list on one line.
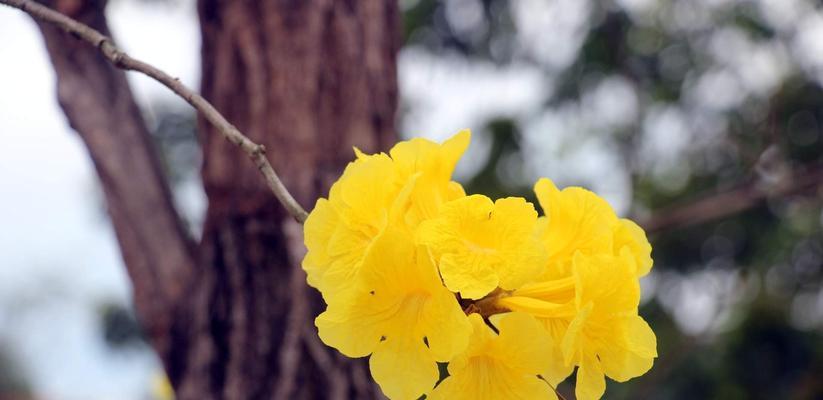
[(416, 273)]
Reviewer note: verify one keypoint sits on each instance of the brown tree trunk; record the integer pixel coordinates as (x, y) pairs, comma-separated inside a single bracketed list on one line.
[(309, 80), (233, 318)]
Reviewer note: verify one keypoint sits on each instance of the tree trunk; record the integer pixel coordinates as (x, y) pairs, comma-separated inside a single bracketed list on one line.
[(233, 317), (309, 80)]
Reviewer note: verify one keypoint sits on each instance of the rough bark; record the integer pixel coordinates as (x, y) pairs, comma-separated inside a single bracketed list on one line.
[(98, 103), (309, 80)]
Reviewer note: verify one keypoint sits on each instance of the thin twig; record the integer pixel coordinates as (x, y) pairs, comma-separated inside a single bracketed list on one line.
[(256, 152)]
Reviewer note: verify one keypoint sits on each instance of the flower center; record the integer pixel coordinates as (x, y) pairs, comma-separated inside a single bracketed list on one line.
[(548, 299)]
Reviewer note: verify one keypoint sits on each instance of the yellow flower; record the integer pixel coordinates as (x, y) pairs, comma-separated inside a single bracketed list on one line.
[(401, 314), (592, 319), (397, 239), (577, 220), (373, 192), (339, 230), (628, 234), (433, 164), (499, 366), (588, 297), (480, 245), (607, 336)]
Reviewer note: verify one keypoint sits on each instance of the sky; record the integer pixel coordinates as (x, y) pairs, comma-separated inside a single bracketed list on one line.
[(59, 259)]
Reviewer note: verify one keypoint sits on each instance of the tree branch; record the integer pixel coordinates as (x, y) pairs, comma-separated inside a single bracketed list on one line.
[(256, 152), (734, 200)]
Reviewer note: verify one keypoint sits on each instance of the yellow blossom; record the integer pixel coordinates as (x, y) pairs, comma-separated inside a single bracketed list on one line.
[(577, 220), (592, 319), (499, 366), (397, 244), (480, 245), (374, 191), (628, 234), (588, 296), (433, 164), (401, 314), (607, 337), (339, 230)]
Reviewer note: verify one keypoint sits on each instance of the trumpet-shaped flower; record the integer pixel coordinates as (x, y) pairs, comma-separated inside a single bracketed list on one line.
[(401, 314), (592, 319), (399, 251), (500, 366), (373, 192), (339, 230), (481, 245), (587, 299), (607, 337), (577, 220), (433, 165)]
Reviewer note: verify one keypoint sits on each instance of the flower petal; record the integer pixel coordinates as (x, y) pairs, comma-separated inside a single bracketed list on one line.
[(432, 159), (591, 383), (445, 326), (514, 220), (578, 220), (472, 276), (353, 327), (480, 245), (634, 352), (631, 235), (503, 366), (403, 368), (317, 230), (523, 341)]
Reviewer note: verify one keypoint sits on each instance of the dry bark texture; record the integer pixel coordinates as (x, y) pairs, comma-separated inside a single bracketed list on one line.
[(232, 317)]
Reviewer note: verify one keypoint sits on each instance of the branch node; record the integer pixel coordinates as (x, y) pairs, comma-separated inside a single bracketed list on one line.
[(117, 58)]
